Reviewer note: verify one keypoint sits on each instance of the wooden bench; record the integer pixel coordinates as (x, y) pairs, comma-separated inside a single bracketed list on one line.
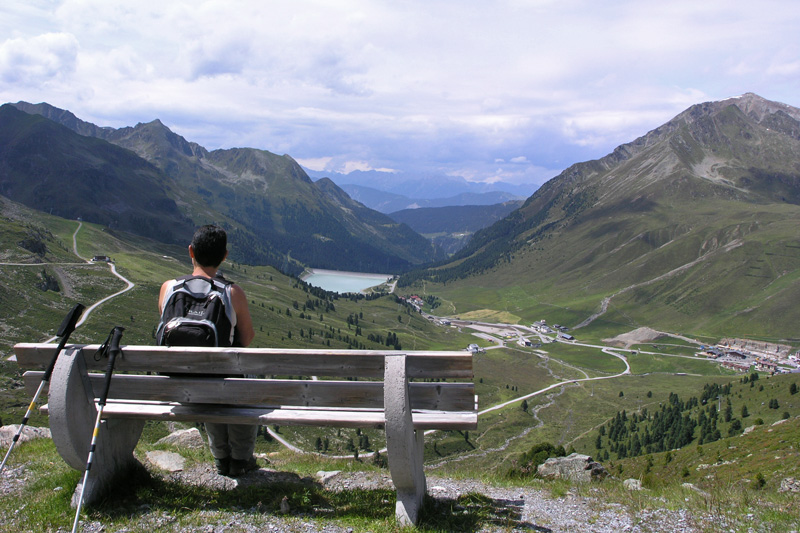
[(383, 397)]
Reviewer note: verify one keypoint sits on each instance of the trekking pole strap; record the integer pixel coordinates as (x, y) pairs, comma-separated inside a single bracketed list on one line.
[(64, 331), (113, 351)]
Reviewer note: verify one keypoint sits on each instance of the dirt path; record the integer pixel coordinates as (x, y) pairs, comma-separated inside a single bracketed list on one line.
[(129, 284), (604, 304)]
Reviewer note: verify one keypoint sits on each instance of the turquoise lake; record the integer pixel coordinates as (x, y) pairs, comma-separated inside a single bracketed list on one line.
[(341, 282)]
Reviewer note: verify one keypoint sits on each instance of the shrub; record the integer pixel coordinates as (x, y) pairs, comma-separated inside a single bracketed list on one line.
[(530, 460)]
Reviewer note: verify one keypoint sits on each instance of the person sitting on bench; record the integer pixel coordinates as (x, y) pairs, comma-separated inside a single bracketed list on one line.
[(204, 309)]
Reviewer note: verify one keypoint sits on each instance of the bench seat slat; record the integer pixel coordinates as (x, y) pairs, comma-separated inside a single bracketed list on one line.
[(348, 418), (269, 392), (261, 361)]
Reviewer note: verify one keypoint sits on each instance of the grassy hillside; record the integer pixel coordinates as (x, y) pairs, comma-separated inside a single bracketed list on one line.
[(738, 277)]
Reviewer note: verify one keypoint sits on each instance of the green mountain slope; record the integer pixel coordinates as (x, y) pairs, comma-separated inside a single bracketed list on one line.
[(50, 168), (275, 208), (692, 228)]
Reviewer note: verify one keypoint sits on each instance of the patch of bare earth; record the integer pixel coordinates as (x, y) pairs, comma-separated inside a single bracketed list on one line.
[(637, 336)]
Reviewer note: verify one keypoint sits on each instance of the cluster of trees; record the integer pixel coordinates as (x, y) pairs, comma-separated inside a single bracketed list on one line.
[(673, 426), (678, 423), (326, 306), (433, 301), (353, 318), (390, 340), (322, 444)]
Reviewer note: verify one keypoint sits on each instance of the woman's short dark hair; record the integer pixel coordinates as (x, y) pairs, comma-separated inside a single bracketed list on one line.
[(210, 243)]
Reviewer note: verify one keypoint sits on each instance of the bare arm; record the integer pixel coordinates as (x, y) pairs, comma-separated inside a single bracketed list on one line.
[(161, 296), (244, 323)]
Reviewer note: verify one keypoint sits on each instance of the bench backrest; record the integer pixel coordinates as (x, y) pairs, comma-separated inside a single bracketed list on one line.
[(195, 364)]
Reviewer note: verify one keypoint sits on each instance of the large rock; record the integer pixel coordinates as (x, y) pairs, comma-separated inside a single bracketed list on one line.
[(632, 484), (576, 467), (184, 438), (789, 484), (29, 433), (169, 461)]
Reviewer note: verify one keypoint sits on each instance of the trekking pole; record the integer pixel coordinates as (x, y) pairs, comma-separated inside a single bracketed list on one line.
[(64, 331), (111, 349)]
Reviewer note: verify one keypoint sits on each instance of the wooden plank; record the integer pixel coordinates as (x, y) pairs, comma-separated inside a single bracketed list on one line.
[(349, 418), (262, 361), (270, 392), (31, 379)]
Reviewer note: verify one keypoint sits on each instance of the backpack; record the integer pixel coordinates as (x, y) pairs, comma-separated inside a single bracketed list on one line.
[(197, 311)]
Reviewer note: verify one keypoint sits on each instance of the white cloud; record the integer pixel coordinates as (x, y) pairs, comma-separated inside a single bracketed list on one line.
[(789, 68), (315, 163), (37, 60), (352, 166), (372, 85)]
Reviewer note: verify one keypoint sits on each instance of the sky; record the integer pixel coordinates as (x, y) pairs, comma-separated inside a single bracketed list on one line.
[(512, 91)]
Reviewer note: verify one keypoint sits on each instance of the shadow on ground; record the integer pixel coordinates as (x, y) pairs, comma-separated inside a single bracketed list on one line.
[(264, 491)]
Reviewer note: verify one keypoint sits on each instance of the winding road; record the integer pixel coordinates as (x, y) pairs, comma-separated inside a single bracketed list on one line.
[(129, 284)]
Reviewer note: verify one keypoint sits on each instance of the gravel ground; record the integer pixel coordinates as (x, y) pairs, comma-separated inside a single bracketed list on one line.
[(510, 509), (501, 508)]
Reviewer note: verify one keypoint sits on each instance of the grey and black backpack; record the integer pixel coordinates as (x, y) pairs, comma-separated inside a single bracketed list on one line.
[(197, 311)]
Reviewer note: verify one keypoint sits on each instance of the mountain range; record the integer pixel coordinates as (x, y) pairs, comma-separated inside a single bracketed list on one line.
[(389, 202), (451, 227), (148, 180), (401, 190), (693, 226)]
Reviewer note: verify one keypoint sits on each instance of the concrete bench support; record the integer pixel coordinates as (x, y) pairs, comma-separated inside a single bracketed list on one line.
[(405, 445), (73, 414)]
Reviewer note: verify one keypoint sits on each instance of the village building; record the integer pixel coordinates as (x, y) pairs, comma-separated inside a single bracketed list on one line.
[(739, 367), (763, 365)]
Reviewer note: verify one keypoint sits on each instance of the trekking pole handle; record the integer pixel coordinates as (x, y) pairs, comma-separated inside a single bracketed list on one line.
[(113, 351), (64, 331)]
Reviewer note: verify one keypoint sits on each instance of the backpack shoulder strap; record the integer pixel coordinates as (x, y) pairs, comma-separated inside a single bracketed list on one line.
[(171, 285)]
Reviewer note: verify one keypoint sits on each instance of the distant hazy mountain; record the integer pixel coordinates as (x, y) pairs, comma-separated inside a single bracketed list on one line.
[(422, 187), (274, 210), (387, 202), (693, 225), (452, 219), (451, 227)]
